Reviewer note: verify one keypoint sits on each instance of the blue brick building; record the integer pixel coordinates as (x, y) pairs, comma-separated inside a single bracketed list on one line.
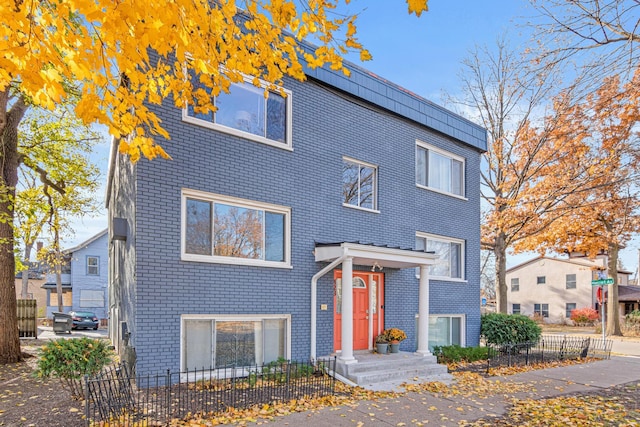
[(297, 227)]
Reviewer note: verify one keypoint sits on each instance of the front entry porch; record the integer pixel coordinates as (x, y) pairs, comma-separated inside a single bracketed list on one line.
[(387, 372), (348, 254)]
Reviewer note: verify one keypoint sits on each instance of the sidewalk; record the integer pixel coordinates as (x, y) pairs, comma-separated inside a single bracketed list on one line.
[(425, 408)]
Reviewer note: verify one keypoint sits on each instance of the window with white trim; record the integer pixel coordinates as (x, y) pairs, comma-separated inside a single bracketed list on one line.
[(450, 264), (210, 341), (570, 306), (515, 308), (439, 170), (446, 330), (359, 184), (515, 284), (571, 281), (91, 298), (541, 280), (229, 230), (246, 112), (93, 266)]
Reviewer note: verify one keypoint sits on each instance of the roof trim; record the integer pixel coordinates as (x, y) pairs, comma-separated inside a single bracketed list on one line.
[(584, 263), (86, 242), (370, 87), (374, 255)]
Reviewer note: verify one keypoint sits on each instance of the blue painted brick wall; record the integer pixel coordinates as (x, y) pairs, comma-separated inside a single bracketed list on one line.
[(326, 126)]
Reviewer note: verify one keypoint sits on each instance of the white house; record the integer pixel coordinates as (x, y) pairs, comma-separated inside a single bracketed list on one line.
[(553, 287)]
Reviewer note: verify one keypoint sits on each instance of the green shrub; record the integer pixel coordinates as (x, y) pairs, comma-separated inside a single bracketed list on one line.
[(70, 360), (455, 353), (500, 328)]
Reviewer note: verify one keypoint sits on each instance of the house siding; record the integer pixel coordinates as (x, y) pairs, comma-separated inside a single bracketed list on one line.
[(554, 291), (327, 125), (81, 281)]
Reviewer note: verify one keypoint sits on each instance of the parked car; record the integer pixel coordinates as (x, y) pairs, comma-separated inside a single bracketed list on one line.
[(84, 319)]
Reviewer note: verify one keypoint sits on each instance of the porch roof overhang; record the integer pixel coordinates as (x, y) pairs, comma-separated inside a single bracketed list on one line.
[(374, 255)]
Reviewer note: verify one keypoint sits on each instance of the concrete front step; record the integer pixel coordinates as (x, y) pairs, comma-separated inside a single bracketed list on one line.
[(386, 372)]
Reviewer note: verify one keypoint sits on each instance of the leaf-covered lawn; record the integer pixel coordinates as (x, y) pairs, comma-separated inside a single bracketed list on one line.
[(28, 401)]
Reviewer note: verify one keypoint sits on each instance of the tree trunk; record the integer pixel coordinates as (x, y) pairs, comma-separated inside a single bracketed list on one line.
[(500, 249), (9, 120), (25, 273), (58, 262), (613, 306)]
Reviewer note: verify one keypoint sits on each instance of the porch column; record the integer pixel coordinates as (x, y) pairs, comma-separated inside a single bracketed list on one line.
[(347, 311), (423, 312)]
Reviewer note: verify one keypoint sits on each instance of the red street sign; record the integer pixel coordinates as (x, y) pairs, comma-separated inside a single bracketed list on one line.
[(599, 295)]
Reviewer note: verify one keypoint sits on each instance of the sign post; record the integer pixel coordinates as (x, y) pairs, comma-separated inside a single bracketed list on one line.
[(600, 296)]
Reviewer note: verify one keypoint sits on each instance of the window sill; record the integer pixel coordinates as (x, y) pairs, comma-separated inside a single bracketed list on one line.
[(446, 193), (246, 135), (346, 205), (444, 279), (234, 261)]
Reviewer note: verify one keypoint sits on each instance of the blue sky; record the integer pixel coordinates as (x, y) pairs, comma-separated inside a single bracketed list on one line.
[(423, 55)]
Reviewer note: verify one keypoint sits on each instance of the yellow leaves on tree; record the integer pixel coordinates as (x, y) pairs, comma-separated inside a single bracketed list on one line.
[(104, 49), (602, 158)]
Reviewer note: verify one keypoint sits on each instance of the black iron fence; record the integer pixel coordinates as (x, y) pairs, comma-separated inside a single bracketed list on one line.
[(548, 348), (116, 398)]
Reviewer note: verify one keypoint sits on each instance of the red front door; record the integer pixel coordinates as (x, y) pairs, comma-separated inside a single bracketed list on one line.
[(365, 287)]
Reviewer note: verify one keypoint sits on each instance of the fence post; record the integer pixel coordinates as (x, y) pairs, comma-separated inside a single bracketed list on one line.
[(86, 401), (168, 396)]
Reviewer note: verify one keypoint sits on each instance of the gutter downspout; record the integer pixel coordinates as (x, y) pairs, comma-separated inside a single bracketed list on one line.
[(314, 299)]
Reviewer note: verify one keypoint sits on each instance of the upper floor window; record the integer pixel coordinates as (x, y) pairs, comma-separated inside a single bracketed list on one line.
[(93, 266), (571, 281), (234, 231), (246, 112), (541, 280), (450, 265), (359, 184), (515, 284), (439, 170)]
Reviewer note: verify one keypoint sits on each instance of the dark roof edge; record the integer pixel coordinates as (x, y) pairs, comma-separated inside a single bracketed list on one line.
[(372, 88)]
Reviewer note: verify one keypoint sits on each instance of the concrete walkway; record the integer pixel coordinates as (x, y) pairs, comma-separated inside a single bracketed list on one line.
[(413, 408), (46, 333)]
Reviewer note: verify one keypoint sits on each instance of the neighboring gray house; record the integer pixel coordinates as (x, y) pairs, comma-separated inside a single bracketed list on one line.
[(297, 227), (84, 278)]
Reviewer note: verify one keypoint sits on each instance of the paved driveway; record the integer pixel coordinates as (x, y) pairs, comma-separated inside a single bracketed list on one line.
[(46, 333)]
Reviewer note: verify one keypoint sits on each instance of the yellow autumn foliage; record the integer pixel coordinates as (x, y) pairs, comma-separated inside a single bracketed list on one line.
[(124, 55)]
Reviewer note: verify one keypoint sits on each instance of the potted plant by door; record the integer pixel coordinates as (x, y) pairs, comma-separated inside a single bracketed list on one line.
[(394, 336), (382, 345)]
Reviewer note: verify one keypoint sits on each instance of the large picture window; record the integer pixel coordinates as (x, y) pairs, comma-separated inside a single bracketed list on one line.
[(359, 184), (246, 112), (445, 330), (235, 231), (450, 265), (439, 170), (233, 341)]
